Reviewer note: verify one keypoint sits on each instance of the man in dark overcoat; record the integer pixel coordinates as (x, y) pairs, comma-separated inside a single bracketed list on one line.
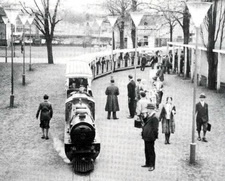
[(202, 117), (45, 110), (149, 135), (112, 104), (131, 88), (143, 62)]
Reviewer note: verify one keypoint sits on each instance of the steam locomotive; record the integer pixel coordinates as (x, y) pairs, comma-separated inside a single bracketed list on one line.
[(82, 145)]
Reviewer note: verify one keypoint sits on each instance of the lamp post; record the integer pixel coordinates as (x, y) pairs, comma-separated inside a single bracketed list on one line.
[(198, 11), (23, 19), (12, 15), (5, 20), (112, 20), (30, 21), (136, 17), (99, 22)]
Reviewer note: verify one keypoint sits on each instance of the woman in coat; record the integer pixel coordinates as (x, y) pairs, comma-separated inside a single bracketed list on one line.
[(112, 104), (167, 117), (45, 111)]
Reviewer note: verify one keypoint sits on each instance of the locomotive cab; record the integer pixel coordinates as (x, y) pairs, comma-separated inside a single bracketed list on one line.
[(78, 78)]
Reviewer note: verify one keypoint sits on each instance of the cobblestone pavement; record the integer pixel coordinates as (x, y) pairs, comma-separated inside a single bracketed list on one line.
[(25, 156)]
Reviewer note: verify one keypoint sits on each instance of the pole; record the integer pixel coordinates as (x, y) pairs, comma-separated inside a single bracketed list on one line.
[(112, 60), (6, 44), (193, 144), (23, 45), (30, 50), (135, 60), (12, 96)]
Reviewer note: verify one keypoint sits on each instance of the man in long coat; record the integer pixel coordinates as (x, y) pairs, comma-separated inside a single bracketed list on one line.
[(45, 110), (112, 104), (149, 135), (131, 88)]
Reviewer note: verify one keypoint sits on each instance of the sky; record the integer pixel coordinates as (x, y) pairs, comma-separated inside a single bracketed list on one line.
[(75, 5)]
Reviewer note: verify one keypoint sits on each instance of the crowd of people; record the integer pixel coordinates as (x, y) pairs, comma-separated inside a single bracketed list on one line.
[(143, 105)]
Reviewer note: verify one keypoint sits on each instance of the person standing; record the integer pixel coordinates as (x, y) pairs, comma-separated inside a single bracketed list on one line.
[(143, 62), (159, 89), (149, 135), (202, 117), (141, 109), (167, 117), (112, 104), (160, 73), (138, 89), (131, 88), (45, 110)]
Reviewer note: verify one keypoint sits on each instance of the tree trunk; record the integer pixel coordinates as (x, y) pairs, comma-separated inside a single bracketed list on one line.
[(122, 35), (171, 33), (133, 32), (186, 27), (113, 41), (212, 61), (49, 51)]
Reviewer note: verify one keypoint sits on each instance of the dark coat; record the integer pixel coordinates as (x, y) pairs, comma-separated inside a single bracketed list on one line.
[(112, 101), (168, 126), (202, 112), (143, 61), (160, 74), (150, 128), (131, 88), (45, 109)]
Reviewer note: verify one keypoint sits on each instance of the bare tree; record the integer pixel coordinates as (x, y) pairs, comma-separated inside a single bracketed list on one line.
[(175, 11), (121, 8), (214, 25), (45, 21)]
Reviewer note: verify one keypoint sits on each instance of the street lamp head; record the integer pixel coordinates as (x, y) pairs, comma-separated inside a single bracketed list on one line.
[(136, 17), (112, 20), (5, 19), (30, 19), (23, 18), (198, 11), (12, 15), (99, 21)]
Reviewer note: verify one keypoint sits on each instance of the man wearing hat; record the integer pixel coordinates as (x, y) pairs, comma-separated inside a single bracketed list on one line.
[(131, 88), (202, 117), (149, 135), (46, 112)]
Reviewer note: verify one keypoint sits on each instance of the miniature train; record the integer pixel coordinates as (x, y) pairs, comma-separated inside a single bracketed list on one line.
[(81, 141)]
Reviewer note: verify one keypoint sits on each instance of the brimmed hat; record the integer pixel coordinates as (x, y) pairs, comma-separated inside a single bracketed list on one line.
[(150, 106), (138, 80), (130, 76), (45, 96), (202, 95)]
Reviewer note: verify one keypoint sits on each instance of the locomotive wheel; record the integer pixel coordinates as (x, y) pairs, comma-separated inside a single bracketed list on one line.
[(83, 165)]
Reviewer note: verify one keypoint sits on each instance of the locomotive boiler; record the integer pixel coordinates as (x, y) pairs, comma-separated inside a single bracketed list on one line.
[(82, 145)]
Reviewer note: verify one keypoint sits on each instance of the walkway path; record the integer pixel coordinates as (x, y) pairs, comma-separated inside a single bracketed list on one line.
[(24, 156)]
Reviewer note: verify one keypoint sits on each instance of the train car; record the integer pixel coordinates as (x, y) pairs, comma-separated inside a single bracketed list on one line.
[(81, 141)]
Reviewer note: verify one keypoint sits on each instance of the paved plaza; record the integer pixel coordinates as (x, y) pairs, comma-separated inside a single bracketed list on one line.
[(24, 156)]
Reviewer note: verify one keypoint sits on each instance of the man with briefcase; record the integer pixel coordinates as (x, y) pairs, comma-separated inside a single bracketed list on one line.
[(202, 118)]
